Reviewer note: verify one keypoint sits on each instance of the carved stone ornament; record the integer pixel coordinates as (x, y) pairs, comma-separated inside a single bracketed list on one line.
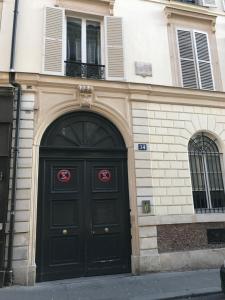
[(86, 94), (111, 7)]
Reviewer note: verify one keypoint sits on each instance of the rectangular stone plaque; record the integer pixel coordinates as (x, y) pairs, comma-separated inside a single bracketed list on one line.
[(143, 69)]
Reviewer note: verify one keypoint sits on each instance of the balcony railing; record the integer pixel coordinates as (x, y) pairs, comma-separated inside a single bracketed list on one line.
[(210, 210), (195, 2), (82, 70)]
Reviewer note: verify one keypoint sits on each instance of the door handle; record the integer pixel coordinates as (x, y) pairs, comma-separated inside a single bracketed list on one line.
[(64, 232), (1, 175)]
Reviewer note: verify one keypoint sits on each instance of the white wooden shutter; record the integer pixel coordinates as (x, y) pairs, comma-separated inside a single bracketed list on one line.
[(53, 41), (203, 61), (114, 48), (187, 59), (209, 3)]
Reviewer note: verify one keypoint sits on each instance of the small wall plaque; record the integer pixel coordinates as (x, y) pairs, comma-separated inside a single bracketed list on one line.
[(142, 147), (146, 206), (143, 69)]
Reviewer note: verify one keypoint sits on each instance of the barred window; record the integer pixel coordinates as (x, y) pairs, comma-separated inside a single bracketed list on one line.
[(206, 174)]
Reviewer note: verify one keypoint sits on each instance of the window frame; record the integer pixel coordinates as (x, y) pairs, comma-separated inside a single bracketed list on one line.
[(84, 19), (195, 54), (206, 180), (190, 17)]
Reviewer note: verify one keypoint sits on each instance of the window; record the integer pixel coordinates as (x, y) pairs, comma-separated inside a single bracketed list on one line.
[(84, 49), (206, 174), (193, 47), (195, 61)]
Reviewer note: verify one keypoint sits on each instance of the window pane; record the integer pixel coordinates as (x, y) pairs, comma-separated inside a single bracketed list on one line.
[(93, 43), (197, 173), (217, 199), (214, 172), (74, 40), (200, 200)]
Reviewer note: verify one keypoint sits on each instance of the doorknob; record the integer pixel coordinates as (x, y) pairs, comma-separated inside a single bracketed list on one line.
[(64, 232), (1, 175), (106, 229)]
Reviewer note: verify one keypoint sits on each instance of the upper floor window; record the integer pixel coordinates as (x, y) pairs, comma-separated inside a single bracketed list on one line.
[(77, 47), (195, 60), (84, 49), (193, 48), (206, 174)]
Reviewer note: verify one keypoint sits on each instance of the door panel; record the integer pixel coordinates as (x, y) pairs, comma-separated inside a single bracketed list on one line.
[(108, 242), (61, 254), (83, 219)]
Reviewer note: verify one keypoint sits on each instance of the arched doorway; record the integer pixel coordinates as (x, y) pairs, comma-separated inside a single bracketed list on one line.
[(83, 225)]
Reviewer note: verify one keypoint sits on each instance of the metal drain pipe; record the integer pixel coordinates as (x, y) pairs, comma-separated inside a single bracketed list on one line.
[(17, 99)]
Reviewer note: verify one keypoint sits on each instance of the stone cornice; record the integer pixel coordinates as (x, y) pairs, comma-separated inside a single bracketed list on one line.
[(90, 7), (132, 91), (193, 12)]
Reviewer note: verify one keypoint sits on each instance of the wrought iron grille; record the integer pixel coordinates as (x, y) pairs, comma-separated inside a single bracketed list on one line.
[(206, 175), (82, 70)]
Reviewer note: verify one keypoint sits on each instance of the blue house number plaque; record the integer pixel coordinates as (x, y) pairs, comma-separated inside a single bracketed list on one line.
[(142, 147)]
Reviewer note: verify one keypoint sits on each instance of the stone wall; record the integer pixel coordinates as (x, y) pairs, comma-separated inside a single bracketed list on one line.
[(163, 177), (23, 190), (186, 237)]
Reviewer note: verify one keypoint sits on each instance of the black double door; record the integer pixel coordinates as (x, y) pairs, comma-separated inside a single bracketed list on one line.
[(83, 218)]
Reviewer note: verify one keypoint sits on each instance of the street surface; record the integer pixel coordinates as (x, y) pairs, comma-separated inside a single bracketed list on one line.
[(152, 286), (209, 297)]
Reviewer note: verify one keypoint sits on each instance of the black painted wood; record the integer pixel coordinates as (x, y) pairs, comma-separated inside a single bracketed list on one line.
[(6, 120), (83, 207)]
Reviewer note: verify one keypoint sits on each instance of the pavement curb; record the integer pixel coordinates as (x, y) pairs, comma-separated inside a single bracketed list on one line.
[(190, 294)]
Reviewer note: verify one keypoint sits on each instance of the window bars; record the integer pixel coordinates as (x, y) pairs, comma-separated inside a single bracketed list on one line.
[(206, 175)]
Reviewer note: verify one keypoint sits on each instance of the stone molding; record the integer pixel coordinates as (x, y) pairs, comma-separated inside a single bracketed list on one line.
[(133, 91), (192, 12), (93, 7)]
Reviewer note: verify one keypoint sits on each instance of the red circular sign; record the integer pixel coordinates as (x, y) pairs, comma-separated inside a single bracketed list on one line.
[(64, 176), (104, 175)]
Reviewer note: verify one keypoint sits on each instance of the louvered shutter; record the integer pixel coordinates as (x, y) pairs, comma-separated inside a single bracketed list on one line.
[(53, 41), (114, 48), (187, 59), (203, 61)]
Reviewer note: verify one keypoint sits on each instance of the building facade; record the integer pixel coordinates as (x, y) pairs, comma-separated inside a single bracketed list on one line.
[(122, 135)]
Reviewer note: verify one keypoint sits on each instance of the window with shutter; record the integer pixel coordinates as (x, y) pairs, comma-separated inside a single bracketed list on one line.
[(80, 52), (53, 41), (203, 61), (187, 61), (195, 62)]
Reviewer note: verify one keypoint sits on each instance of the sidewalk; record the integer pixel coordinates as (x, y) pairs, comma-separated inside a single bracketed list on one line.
[(121, 287)]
